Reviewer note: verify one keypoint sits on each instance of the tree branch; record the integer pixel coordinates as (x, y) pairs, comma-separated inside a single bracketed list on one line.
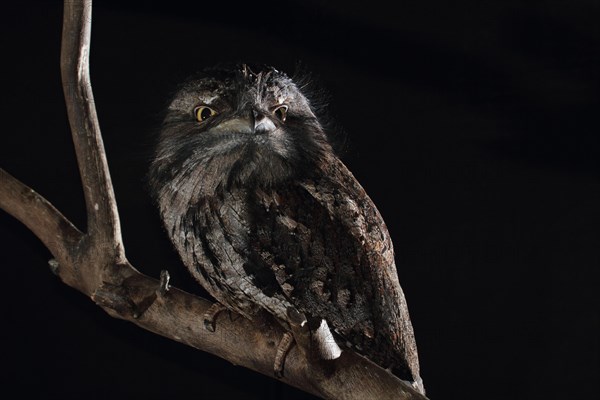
[(94, 262), (57, 233), (102, 216)]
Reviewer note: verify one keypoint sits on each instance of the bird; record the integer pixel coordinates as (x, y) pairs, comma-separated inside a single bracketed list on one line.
[(268, 219)]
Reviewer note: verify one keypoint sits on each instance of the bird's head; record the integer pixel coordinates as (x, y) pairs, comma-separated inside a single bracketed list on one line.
[(239, 126)]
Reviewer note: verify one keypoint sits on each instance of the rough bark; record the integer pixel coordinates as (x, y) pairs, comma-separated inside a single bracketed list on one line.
[(93, 261)]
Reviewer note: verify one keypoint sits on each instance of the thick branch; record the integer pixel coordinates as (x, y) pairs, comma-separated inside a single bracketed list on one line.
[(103, 220)]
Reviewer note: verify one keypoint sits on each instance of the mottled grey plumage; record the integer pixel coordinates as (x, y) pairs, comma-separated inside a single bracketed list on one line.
[(266, 217)]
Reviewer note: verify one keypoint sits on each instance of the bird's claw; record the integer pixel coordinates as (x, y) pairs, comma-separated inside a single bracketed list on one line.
[(210, 316), (285, 344)]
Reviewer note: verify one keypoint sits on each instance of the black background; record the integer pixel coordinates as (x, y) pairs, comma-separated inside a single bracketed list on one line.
[(473, 127)]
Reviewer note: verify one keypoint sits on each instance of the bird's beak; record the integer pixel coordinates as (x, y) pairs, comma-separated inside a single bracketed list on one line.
[(261, 123)]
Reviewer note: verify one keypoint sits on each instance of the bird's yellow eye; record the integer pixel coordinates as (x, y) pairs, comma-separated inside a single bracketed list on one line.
[(281, 113), (203, 113)]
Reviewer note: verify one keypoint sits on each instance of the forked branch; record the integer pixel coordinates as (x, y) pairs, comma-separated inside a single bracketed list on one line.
[(93, 261)]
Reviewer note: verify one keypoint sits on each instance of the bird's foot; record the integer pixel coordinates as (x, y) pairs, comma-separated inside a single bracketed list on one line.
[(285, 344), (210, 316), (297, 322)]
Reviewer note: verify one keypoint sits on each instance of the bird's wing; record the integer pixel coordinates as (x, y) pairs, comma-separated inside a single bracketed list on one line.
[(332, 256)]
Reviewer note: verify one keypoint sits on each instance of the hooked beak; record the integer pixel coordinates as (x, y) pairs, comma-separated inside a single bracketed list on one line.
[(261, 123)]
